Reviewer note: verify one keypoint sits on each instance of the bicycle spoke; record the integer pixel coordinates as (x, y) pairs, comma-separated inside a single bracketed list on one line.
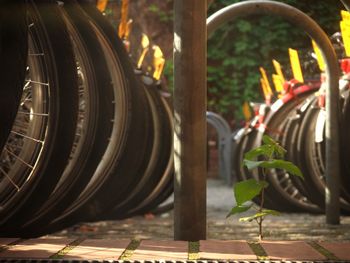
[(36, 54), (37, 82), (27, 137), (9, 178), (34, 113), (18, 158)]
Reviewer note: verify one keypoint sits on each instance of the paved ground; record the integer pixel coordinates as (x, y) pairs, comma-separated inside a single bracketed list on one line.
[(219, 201), (101, 250)]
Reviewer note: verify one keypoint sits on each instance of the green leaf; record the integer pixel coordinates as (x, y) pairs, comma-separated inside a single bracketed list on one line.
[(239, 209), (268, 140), (263, 213), (278, 149), (246, 190), (271, 212), (265, 150), (250, 218), (252, 164), (289, 167), (275, 164)]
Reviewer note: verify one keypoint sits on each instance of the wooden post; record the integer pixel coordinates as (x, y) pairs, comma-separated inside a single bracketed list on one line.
[(190, 47)]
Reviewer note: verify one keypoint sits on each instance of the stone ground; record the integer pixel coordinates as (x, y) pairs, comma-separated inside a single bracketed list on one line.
[(219, 201)]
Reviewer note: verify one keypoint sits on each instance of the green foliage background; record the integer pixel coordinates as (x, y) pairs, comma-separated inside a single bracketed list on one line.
[(237, 49)]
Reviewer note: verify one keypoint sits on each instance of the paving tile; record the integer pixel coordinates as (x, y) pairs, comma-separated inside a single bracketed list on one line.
[(340, 249), (6, 241), (290, 250), (36, 248), (153, 250), (98, 249), (104, 249), (225, 250)]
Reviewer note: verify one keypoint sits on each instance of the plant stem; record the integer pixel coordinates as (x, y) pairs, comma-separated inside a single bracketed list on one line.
[(262, 199), (260, 229)]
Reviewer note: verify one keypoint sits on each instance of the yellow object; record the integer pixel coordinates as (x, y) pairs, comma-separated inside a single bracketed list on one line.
[(158, 69), (144, 41), (345, 32), (295, 63), (124, 19), (246, 111), (101, 5), (277, 83), (145, 48), (345, 15), (158, 62), (266, 81), (128, 29), (157, 52), (278, 70), (263, 87), (319, 57)]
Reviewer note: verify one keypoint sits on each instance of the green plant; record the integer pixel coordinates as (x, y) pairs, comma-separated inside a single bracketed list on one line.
[(269, 156)]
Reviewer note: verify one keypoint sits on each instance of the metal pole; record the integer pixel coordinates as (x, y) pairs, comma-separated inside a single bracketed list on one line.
[(301, 20), (225, 145), (190, 44)]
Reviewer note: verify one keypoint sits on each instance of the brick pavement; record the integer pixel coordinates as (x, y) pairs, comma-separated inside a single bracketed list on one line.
[(163, 250), (288, 237)]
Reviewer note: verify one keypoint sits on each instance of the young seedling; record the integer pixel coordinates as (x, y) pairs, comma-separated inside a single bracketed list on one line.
[(267, 156)]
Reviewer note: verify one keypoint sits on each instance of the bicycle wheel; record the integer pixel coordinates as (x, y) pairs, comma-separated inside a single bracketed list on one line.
[(289, 140), (345, 143), (282, 189), (312, 156), (123, 162), (36, 159), (165, 186), (94, 124), (156, 175)]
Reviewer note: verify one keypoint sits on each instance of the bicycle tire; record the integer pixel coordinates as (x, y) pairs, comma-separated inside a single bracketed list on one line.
[(311, 155), (345, 142), (275, 122), (122, 163), (145, 195), (49, 31), (93, 131)]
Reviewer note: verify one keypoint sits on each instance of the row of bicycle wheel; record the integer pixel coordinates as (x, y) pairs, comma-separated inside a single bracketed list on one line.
[(297, 122), (90, 138)]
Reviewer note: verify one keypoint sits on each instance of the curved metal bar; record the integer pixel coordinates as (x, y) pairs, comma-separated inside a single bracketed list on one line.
[(220, 119), (225, 144), (346, 4), (304, 22)]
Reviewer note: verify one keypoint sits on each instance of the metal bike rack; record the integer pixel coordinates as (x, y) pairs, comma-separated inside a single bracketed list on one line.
[(190, 106), (304, 22), (225, 145)]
